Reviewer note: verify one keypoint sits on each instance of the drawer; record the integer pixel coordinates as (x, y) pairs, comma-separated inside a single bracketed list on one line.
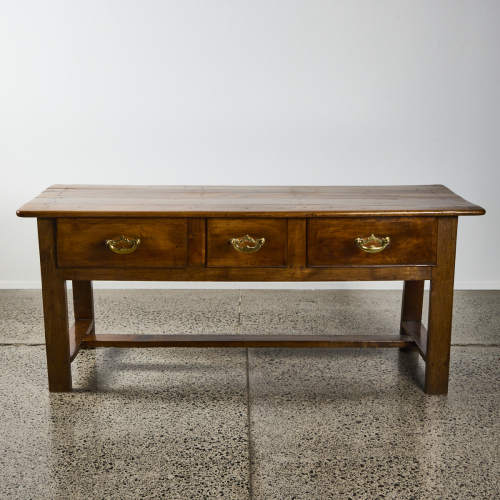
[(222, 253), (81, 242), (332, 242)]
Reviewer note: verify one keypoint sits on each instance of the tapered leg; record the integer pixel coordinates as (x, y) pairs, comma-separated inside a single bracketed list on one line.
[(441, 309), (411, 308), (55, 310)]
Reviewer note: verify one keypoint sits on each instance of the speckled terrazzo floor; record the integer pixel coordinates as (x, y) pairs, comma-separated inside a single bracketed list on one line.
[(264, 424)]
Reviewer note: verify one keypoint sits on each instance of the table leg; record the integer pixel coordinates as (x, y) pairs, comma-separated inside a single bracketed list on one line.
[(83, 301), (55, 310), (441, 309), (411, 308)]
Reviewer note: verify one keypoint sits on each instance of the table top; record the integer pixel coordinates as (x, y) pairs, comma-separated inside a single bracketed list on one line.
[(246, 201)]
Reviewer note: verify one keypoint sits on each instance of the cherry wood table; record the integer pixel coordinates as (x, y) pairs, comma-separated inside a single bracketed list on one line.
[(210, 233)]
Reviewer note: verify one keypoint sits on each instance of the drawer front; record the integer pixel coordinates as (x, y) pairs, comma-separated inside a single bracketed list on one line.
[(222, 253), (81, 242), (332, 242)]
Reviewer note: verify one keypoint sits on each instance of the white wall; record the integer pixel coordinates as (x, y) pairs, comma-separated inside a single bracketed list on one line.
[(250, 92)]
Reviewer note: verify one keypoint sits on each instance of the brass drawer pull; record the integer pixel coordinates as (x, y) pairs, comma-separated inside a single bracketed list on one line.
[(365, 243), (237, 242), (117, 245)]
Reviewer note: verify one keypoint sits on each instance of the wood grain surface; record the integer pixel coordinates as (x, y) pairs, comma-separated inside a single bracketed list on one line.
[(437, 366), (331, 242), (382, 273), (80, 242), (374, 341), (220, 253), (55, 310), (246, 201)]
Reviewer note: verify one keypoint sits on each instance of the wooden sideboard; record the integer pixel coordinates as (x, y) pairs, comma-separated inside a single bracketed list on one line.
[(218, 233)]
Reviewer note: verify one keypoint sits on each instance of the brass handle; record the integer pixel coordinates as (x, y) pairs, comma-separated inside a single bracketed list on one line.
[(117, 246), (366, 246), (237, 242)]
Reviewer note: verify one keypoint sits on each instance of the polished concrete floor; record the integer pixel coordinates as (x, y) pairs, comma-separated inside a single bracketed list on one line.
[(249, 424)]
